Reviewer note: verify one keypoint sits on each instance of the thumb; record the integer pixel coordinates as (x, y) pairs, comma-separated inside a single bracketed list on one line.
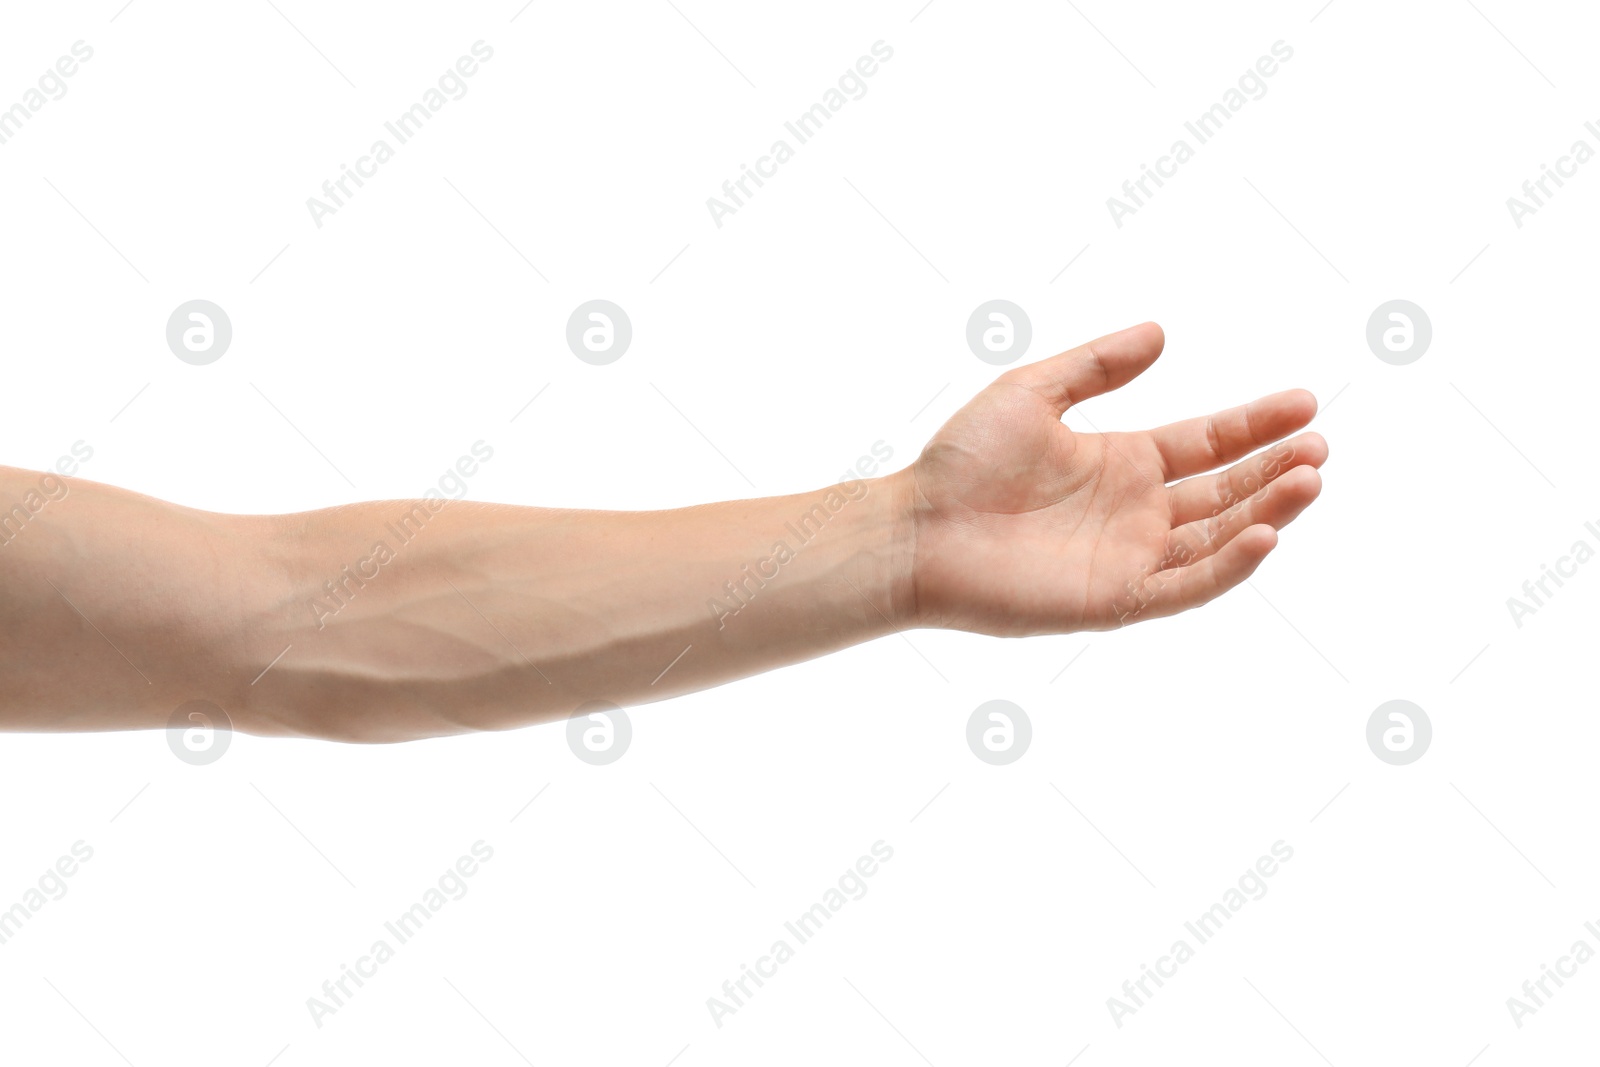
[(1099, 366)]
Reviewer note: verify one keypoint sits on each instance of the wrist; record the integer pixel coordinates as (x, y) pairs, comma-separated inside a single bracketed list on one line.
[(898, 495)]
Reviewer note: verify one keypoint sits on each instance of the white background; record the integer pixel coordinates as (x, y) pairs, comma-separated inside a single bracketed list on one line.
[(821, 318)]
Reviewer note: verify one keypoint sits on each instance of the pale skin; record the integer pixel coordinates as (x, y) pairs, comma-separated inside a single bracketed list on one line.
[(120, 608)]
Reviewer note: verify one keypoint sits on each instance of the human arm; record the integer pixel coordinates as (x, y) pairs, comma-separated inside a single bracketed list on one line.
[(121, 607)]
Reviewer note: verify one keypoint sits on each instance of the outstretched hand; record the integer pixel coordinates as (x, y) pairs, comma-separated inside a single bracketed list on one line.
[(1024, 526)]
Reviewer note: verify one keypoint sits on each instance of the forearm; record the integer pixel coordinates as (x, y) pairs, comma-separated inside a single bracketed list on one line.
[(116, 607), (392, 620)]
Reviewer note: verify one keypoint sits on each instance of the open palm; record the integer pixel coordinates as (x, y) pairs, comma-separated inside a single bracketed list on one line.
[(1024, 526)]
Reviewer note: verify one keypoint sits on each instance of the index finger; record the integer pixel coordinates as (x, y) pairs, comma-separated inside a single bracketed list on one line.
[(1197, 445)]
